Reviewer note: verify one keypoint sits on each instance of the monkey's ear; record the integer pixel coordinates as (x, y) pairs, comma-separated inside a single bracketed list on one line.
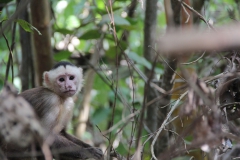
[(81, 74), (46, 80), (81, 70), (80, 83)]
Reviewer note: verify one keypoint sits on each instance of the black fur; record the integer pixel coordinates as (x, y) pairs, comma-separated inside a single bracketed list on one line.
[(62, 63)]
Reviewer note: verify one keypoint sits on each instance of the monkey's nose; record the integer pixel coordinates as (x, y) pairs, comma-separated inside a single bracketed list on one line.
[(68, 87)]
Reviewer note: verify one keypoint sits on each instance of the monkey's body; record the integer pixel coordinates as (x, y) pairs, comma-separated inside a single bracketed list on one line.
[(53, 105), (56, 116), (54, 120)]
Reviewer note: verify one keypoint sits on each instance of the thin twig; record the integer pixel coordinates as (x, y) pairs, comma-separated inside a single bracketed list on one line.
[(185, 145), (128, 118), (194, 11), (188, 15), (221, 75), (228, 104), (195, 60), (144, 102), (144, 77), (164, 123), (10, 57), (171, 120), (116, 86), (161, 57)]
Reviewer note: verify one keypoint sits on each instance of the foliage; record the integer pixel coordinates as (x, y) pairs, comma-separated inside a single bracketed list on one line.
[(77, 24), (27, 26)]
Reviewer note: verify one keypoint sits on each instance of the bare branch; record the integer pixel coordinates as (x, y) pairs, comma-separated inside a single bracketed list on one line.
[(223, 38)]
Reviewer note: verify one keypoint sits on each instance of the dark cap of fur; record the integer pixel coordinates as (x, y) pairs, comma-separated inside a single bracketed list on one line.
[(62, 63)]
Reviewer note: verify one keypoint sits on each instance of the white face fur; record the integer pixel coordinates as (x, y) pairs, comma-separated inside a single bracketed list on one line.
[(64, 81)]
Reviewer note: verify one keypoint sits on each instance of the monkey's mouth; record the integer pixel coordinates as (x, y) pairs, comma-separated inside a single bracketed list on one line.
[(70, 92)]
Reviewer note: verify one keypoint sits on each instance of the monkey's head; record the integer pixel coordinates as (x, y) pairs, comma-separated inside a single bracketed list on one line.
[(65, 79)]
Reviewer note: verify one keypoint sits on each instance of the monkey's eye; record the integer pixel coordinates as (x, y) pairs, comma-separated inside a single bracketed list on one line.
[(71, 77), (61, 79)]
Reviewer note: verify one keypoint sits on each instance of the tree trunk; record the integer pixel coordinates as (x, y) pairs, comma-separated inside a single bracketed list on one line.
[(172, 9), (40, 16), (27, 70), (197, 5), (149, 40)]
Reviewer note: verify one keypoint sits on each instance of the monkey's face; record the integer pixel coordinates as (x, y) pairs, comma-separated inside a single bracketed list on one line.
[(67, 85), (64, 81)]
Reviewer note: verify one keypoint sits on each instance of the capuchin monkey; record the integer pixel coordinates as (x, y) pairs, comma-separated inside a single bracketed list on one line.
[(53, 104)]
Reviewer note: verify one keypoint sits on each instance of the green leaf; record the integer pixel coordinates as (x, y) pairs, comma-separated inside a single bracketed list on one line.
[(91, 34), (127, 27), (230, 2), (121, 149), (2, 20), (62, 55), (111, 52), (100, 115), (64, 31), (1, 83), (124, 45), (27, 26), (122, 1), (118, 20), (139, 60), (121, 73), (72, 22), (102, 92)]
